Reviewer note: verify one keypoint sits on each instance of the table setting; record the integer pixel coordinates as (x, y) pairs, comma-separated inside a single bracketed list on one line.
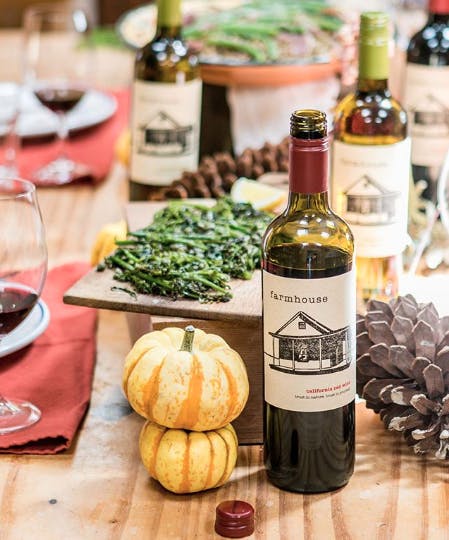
[(53, 139), (56, 108), (91, 347)]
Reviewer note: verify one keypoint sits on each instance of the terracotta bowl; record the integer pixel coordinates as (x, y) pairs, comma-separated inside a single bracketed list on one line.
[(267, 75)]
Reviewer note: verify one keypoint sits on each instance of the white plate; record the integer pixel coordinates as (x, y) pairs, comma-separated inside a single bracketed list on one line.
[(36, 121), (27, 331)]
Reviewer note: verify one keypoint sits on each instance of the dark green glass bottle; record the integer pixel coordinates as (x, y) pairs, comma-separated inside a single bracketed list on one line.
[(309, 325), (426, 97)]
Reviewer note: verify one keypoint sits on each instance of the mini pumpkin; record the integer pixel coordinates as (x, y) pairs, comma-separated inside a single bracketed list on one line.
[(188, 461), (185, 379)]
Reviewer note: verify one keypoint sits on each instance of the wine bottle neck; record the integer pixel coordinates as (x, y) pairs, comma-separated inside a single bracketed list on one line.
[(372, 85), (308, 165), (168, 32), (299, 202), (169, 18), (373, 46)]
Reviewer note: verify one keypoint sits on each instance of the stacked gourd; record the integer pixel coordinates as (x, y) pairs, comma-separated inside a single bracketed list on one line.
[(189, 385)]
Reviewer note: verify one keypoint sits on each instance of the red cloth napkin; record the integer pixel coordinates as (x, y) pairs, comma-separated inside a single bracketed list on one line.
[(55, 372), (93, 147)]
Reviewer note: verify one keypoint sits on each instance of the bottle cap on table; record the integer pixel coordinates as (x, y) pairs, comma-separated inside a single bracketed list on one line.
[(234, 519)]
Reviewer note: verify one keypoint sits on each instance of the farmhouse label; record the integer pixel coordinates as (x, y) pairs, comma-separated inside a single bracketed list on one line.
[(370, 191), (165, 130), (309, 342), (426, 99)]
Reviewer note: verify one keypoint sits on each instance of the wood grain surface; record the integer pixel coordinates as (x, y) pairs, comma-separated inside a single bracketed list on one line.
[(99, 490)]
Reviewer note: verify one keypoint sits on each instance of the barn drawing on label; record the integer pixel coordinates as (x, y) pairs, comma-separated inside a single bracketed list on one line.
[(368, 202), (304, 345), (162, 135)]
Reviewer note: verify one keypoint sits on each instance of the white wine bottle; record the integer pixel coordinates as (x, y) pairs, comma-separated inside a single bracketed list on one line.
[(166, 107), (371, 166), (309, 325)]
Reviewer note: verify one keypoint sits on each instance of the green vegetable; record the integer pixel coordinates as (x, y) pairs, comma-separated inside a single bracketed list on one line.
[(252, 51), (253, 29), (192, 250)]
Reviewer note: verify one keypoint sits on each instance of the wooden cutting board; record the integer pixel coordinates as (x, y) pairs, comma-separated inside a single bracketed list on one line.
[(96, 289)]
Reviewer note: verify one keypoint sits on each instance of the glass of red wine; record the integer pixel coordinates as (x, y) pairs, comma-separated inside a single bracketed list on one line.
[(23, 267), (58, 64)]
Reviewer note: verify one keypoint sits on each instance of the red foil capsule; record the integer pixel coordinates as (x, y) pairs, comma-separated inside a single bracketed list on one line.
[(234, 519)]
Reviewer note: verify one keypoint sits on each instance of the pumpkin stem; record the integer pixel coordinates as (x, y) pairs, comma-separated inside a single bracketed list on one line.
[(187, 341)]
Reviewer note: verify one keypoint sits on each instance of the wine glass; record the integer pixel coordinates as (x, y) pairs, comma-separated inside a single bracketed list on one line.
[(57, 68), (23, 267), (9, 108)]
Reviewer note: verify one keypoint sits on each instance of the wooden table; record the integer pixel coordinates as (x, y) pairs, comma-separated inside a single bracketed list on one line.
[(99, 490)]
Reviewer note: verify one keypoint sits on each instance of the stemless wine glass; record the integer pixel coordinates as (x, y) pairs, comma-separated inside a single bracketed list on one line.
[(23, 267), (57, 69)]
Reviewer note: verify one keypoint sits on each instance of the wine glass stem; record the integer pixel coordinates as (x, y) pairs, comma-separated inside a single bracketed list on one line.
[(11, 145), (6, 407), (63, 132)]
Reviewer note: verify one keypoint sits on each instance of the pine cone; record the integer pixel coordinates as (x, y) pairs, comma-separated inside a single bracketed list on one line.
[(403, 370), (217, 173)]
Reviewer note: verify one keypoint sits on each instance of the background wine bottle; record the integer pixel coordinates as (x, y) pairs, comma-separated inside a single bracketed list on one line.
[(426, 96), (309, 326), (371, 166), (166, 108)]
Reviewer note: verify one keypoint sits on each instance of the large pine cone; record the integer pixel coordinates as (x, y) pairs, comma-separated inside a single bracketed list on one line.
[(403, 370)]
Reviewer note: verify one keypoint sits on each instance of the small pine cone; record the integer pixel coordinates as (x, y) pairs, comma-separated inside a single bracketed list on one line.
[(283, 165), (245, 164), (257, 171), (208, 165), (176, 192), (228, 181), (403, 370), (269, 163), (199, 186), (257, 156), (225, 163)]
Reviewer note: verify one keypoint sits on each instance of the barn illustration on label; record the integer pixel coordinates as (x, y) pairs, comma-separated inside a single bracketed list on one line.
[(303, 345), (368, 202), (429, 111), (162, 135)]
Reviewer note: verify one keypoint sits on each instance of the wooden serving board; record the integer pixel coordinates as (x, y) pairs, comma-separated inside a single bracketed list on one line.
[(95, 289)]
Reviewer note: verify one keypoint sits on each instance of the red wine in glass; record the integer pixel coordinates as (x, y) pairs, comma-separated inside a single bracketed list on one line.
[(61, 99), (15, 304)]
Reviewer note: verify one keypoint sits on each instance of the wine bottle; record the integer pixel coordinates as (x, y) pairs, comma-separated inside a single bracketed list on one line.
[(166, 108), (308, 325), (371, 166), (426, 98)]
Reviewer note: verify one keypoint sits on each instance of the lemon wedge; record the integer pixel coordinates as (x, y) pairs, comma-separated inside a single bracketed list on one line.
[(104, 243), (261, 196)]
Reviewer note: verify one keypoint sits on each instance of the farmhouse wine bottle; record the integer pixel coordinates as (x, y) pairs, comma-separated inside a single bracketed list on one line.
[(166, 108), (308, 325), (371, 166), (426, 98)]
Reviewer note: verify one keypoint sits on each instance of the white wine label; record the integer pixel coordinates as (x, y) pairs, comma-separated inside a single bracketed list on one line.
[(165, 125), (370, 185), (309, 342), (426, 98)]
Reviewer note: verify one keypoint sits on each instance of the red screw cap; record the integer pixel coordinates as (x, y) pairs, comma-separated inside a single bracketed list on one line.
[(234, 519)]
